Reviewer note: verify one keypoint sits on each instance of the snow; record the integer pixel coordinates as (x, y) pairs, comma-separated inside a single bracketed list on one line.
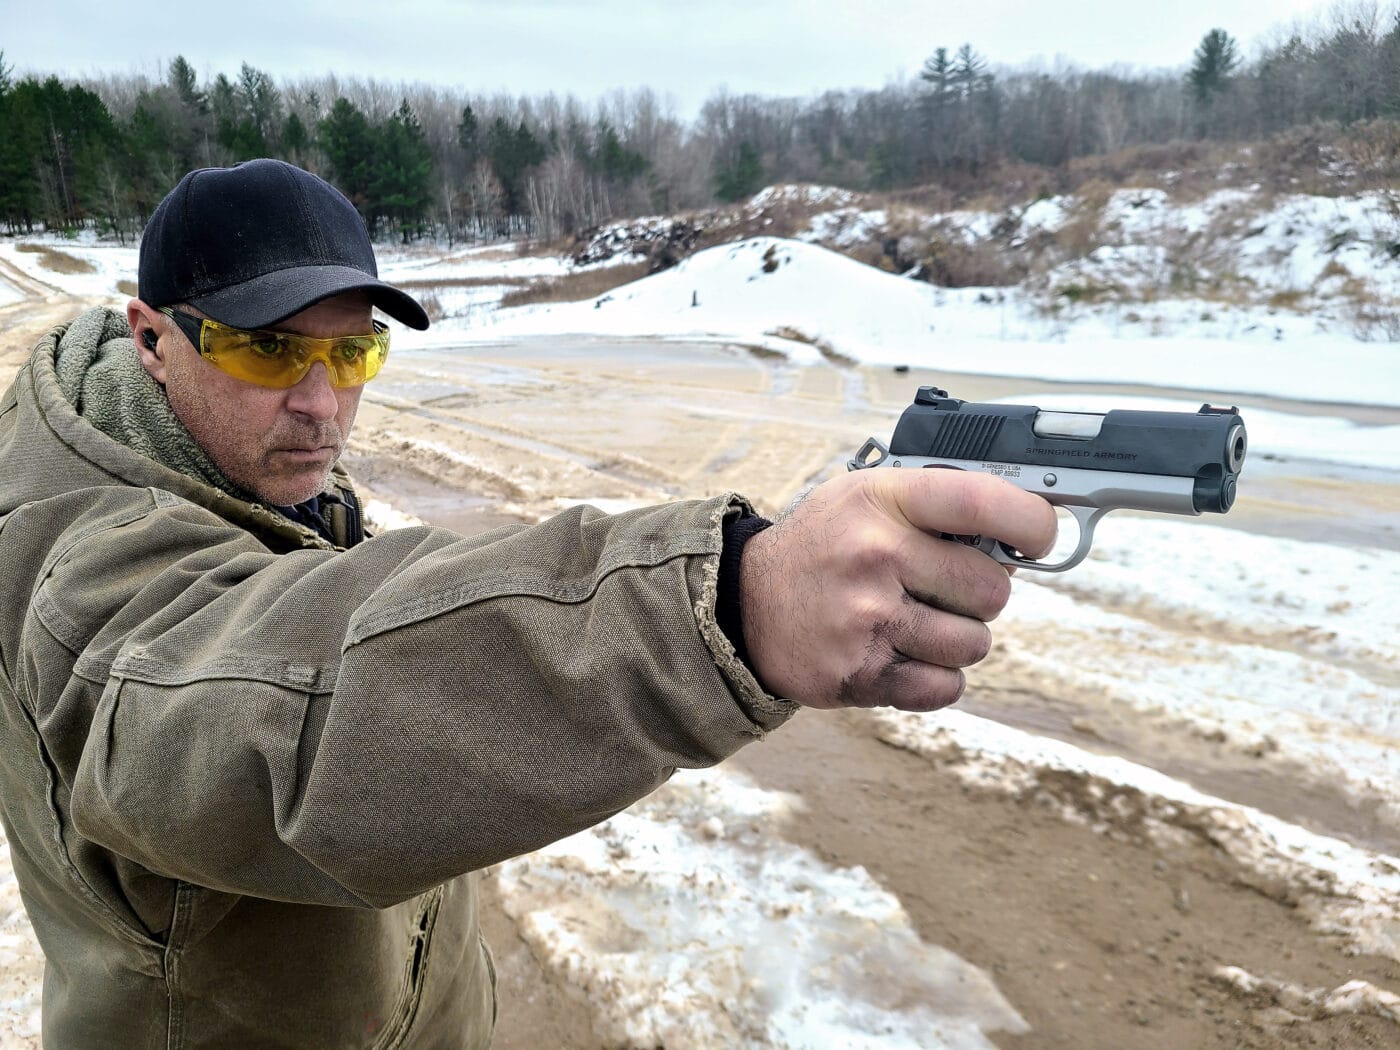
[(747, 291), (800, 194), (1330, 600), (477, 263), (846, 226), (690, 922), (1339, 722), (1299, 1004), (1344, 890), (741, 291), (105, 263)]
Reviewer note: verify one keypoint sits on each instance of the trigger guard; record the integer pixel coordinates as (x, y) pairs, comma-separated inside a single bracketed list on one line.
[(1087, 517)]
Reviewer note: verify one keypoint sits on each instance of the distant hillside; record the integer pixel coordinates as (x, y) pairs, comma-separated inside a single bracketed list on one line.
[(1141, 250)]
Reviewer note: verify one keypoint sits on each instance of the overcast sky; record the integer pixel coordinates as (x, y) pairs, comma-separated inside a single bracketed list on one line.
[(683, 50)]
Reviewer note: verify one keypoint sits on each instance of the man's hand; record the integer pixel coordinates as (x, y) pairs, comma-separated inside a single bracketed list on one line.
[(852, 600)]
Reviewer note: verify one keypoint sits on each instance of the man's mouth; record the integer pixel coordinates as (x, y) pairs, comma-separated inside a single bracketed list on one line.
[(301, 452)]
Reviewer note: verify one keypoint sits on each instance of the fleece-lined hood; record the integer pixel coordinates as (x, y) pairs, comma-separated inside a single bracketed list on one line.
[(101, 413)]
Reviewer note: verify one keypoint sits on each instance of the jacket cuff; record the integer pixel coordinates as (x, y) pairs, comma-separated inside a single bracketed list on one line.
[(720, 619)]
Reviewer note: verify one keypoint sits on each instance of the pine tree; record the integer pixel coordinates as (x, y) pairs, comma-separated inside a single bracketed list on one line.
[(468, 136), (938, 74), (262, 108), (512, 152), (743, 178), (18, 147), (295, 139), (403, 169), (182, 81), (154, 157), (969, 72), (1210, 77), (936, 111), (347, 139), (618, 164), (61, 136), (1390, 69)]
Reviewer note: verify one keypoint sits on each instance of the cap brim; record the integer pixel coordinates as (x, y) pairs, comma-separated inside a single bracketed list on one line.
[(275, 296)]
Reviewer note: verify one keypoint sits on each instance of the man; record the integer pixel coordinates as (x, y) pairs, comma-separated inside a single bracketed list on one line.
[(251, 758)]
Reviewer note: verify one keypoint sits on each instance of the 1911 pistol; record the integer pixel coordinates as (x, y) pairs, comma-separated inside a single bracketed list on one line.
[(1088, 463)]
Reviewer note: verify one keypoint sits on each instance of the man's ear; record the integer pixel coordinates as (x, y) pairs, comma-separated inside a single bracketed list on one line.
[(147, 326)]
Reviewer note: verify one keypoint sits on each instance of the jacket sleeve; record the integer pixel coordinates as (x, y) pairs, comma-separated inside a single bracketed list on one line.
[(355, 727)]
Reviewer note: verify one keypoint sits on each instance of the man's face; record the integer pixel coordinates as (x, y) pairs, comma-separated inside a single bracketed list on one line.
[(278, 444)]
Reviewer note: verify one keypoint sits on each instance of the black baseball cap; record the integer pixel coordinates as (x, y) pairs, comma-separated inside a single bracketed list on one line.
[(253, 244)]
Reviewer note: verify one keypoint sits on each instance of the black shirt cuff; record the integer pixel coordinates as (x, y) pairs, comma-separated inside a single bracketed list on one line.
[(728, 609)]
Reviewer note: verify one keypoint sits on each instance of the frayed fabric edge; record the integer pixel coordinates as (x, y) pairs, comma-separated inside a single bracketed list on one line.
[(766, 711)]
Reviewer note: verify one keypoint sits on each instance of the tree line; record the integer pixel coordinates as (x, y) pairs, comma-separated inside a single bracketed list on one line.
[(432, 161)]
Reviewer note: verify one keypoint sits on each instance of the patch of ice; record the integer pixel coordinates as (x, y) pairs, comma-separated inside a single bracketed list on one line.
[(1339, 723), (689, 922)]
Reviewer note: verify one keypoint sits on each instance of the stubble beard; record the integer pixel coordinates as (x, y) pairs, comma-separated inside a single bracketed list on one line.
[(277, 481)]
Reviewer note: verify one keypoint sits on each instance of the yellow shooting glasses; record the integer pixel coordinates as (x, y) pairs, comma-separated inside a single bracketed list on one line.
[(282, 359)]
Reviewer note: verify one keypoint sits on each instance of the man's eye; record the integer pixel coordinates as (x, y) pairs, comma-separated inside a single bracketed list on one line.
[(266, 346), (351, 350)]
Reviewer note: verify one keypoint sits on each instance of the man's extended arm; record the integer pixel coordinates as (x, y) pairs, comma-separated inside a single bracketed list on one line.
[(352, 728)]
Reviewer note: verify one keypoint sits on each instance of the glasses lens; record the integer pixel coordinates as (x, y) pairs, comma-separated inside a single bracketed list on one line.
[(355, 359), (263, 358), (282, 359)]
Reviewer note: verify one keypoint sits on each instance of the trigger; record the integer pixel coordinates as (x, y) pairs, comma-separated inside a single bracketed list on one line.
[(1087, 519)]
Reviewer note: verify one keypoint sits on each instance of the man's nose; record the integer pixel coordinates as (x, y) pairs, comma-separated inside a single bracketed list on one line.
[(313, 395)]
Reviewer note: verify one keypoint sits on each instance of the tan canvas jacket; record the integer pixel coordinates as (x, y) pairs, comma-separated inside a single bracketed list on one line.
[(245, 775)]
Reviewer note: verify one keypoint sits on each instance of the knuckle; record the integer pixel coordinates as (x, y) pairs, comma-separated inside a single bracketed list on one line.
[(945, 690), (908, 686), (867, 611), (873, 549), (980, 645), (996, 590), (961, 642), (969, 498), (977, 585)]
